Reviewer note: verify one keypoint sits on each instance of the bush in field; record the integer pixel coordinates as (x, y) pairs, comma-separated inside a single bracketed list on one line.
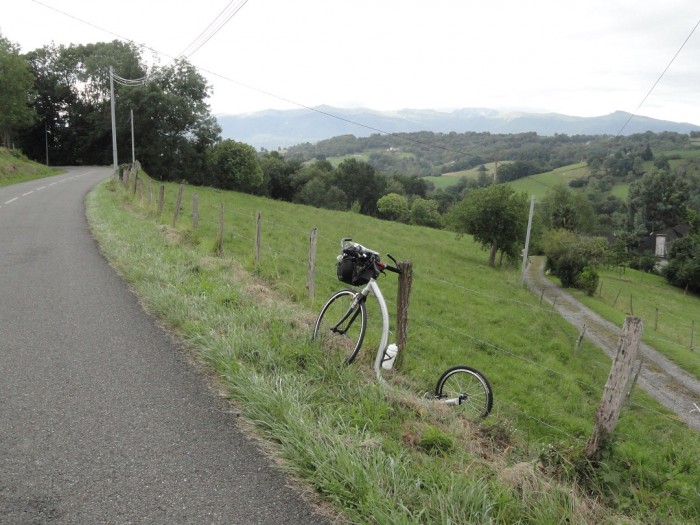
[(588, 280), (569, 254), (684, 265)]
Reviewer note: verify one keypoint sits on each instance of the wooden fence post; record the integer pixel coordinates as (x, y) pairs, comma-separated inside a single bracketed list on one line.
[(161, 198), (554, 307), (311, 276), (220, 240), (614, 394), (617, 297), (178, 204), (195, 211), (580, 339), (136, 180), (692, 335), (634, 382), (656, 320), (258, 237), (403, 296), (150, 193)]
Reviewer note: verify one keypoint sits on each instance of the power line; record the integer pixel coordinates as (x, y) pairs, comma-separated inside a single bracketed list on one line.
[(658, 80), (262, 91), (214, 27)]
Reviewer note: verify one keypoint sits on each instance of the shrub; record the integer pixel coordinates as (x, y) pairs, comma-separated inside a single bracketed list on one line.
[(588, 280), (569, 254)]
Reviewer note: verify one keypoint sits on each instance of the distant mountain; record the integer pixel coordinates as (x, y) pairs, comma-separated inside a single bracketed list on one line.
[(272, 129)]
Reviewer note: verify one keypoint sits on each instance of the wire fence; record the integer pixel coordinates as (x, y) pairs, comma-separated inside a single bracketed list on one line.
[(293, 237)]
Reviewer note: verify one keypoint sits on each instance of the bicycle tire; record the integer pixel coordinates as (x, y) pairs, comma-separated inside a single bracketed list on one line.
[(337, 325), (470, 386)]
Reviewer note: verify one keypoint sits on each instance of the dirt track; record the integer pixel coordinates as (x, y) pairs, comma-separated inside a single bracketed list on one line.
[(670, 385)]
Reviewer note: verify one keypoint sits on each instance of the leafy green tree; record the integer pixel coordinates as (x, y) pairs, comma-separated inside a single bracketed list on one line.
[(173, 126), (393, 207), (278, 173), (683, 269), (319, 192), (658, 200), (17, 92), (360, 183), (496, 216), (573, 257), (563, 208), (234, 166), (426, 212)]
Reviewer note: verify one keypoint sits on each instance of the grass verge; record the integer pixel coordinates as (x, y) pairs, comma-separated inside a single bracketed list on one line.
[(385, 455)]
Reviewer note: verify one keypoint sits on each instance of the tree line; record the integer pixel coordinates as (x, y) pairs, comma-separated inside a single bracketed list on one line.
[(57, 98)]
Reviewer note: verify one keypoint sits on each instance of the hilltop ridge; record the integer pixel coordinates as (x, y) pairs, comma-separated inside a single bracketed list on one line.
[(272, 129)]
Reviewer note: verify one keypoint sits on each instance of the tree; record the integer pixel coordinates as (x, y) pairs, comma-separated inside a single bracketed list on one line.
[(360, 183), (278, 174), (658, 200), (234, 166), (393, 207), (496, 216), (683, 268), (571, 256), (563, 208), (173, 125), (426, 212), (17, 92)]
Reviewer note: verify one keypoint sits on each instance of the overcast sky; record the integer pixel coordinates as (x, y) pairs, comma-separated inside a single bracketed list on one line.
[(582, 57)]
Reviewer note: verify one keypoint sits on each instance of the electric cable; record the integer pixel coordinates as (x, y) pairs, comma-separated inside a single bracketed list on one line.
[(632, 115), (219, 22)]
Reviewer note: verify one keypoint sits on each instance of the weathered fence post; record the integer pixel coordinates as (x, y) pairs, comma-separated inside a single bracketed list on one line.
[(617, 297), (220, 240), (614, 394), (178, 204), (195, 211), (311, 276), (136, 180), (258, 237), (579, 339), (554, 307), (630, 389), (403, 295), (692, 335), (656, 320), (541, 297), (161, 198)]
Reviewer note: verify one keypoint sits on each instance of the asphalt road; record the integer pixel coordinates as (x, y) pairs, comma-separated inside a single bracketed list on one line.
[(102, 417)]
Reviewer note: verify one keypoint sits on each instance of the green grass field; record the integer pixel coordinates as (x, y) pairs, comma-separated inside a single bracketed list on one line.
[(385, 455), (671, 317)]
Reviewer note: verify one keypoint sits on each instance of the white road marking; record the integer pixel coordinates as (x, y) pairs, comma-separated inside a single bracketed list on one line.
[(11, 200), (41, 188), (28, 193)]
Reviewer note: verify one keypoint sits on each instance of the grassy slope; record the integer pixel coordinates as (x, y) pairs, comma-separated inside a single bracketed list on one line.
[(15, 168), (343, 432), (671, 317)]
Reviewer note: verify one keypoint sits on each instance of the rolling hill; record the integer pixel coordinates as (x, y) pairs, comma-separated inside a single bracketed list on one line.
[(273, 129)]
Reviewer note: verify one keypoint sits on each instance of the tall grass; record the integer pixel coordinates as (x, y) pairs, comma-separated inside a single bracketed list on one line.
[(671, 316), (15, 167), (386, 455)]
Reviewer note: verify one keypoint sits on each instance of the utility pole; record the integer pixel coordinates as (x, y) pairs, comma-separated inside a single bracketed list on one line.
[(114, 120), (46, 137), (527, 239), (133, 156)]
